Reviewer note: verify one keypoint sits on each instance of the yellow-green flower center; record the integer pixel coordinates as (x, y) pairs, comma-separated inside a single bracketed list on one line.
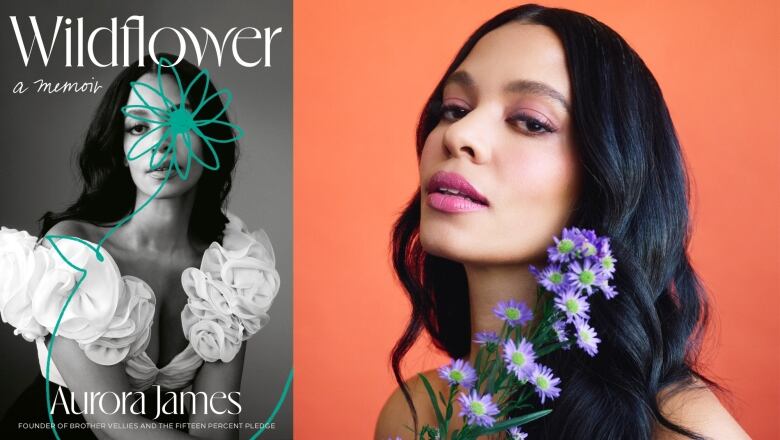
[(513, 313), (518, 358), (572, 306), (477, 408), (542, 382), (556, 278), (456, 375), (589, 249), (587, 277), (584, 336), (607, 262), (565, 246)]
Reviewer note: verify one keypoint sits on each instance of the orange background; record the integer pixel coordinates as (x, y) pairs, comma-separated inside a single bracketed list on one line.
[(361, 75)]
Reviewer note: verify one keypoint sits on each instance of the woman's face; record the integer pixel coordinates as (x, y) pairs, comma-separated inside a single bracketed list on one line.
[(499, 174), (146, 179)]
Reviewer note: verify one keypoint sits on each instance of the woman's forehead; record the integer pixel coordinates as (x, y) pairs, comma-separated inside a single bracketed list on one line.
[(518, 51), (169, 88)]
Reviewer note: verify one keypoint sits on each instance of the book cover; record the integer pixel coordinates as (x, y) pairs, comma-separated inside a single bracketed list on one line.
[(146, 193)]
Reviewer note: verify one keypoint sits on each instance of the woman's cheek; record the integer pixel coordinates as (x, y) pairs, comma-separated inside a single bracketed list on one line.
[(537, 175), (429, 153)]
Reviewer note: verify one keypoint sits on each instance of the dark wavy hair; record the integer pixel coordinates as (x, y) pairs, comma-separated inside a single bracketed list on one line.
[(634, 190), (108, 193)]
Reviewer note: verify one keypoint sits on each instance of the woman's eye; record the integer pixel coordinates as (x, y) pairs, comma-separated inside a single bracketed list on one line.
[(531, 125), (137, 129), (453, 112)]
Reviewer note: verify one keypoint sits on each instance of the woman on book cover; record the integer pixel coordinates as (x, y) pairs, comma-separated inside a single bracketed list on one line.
[(545, 119), (149, 286)]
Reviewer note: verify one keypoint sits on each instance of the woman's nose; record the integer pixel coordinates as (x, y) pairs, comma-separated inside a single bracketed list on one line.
[(169, 140), (469, 137)]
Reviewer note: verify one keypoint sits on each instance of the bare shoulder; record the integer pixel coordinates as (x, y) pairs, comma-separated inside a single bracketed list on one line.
[(76, 228), (396, 415), (696, 407)]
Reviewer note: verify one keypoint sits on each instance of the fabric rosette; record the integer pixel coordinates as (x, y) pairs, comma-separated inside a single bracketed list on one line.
[(207, 321), (109, 316), (22, 265), (91, 309), (246, 263), (128, 333), (233, 288)]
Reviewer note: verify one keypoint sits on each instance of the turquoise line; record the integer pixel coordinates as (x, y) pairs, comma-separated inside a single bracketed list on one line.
[(276, 409)]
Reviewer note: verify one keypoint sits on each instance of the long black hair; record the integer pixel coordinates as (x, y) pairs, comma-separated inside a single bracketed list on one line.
[(108, 193), (634, 190)]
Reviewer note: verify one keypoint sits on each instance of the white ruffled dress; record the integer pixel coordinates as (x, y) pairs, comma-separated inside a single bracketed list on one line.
[(110, 316)]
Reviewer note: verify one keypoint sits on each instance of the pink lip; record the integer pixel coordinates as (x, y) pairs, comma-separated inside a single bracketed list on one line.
[(440, 196)]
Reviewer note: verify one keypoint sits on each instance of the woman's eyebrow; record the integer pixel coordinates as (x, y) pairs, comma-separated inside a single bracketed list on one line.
[(536, 88), (144, 112), (139, 112), (462, 78)]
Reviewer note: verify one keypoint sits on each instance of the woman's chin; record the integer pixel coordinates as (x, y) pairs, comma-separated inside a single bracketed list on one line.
[(173, 188)]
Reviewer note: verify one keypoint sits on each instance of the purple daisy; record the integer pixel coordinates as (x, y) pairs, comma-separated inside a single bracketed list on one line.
[(552, 278), (478, 410), (483, 338), (560, 331), (572, 304), (513, 312), (603, 247), (587, 235), (608, 290), (585, 276), (563, 250), (545, 382), (459, 372), (520, 358), (515, 433), (607, 263), (587, 243), (586, 337)]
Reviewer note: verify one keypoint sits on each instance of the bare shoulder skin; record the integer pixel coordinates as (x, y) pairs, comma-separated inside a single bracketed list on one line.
[(74, 228), (396, 414), (698, 409)]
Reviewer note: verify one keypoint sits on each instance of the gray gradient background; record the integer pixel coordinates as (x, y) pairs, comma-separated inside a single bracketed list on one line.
[(42, 134)]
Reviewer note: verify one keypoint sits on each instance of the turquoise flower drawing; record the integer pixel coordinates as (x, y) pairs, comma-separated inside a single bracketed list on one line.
[(179, 120)]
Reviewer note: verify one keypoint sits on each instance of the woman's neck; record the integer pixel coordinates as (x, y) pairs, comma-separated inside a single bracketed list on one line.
[(162, 226), (490, 284)]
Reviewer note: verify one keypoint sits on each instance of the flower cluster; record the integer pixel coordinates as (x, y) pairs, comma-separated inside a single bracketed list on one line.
[(506, 368), (581, 264)]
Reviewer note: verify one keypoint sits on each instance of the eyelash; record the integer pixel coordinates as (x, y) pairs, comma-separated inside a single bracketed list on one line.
[(448, 110), (133, 127)]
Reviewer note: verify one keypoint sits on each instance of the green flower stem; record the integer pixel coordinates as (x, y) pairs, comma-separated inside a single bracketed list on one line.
[(434, 402), (453, 389)]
